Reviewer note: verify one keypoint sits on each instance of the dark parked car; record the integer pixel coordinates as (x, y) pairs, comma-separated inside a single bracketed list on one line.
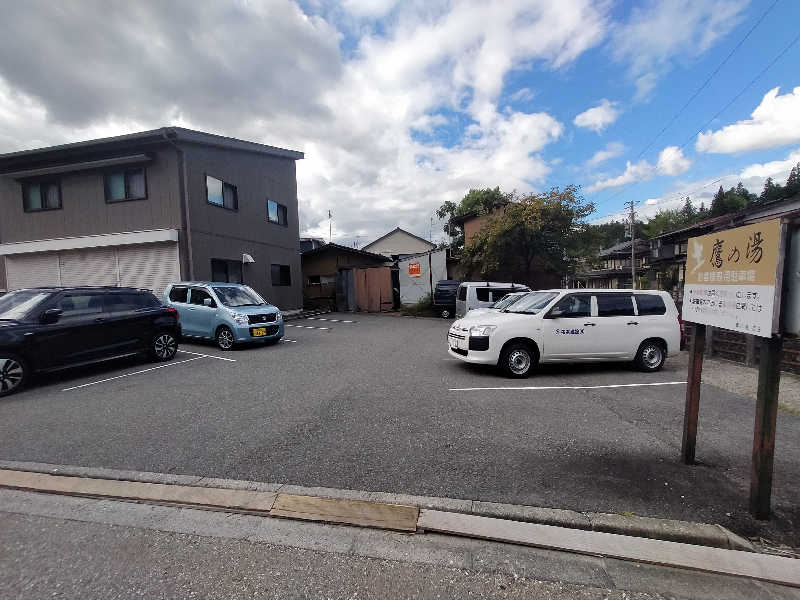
[(47, 329), (444, 297)]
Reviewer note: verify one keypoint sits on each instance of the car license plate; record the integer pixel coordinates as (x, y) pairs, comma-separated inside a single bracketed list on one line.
[(258, 331)]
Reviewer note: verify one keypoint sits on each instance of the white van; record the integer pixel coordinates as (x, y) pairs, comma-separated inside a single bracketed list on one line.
[(482, 294), (571, 326)]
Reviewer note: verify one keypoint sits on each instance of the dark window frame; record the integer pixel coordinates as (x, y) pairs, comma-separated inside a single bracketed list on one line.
[(185, 288), (629, 296), (124, 173), (224, 183), (227, 264), (279, 207), (659, 310), (40, 182), (281, 271), (574, 315)]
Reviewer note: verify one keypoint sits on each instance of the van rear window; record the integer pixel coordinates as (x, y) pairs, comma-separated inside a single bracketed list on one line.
[(462, 292), (614, 305), (650, 304), (482, 294)]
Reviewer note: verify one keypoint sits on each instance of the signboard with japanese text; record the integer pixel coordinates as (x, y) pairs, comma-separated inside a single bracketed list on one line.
[(414, 269), (731, 276)]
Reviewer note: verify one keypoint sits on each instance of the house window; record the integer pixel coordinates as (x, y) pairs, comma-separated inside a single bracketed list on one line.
[(221, 194), (125, 185), (226, 271), (41, 195), (281, 275), (314, 280), (276, 213)]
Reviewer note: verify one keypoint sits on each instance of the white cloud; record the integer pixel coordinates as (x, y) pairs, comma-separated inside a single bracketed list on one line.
[(671, 161), (265, 70), (598, 117), (702, 191), (369, 8), (612, 150), (658, 32), (775, 122), (523, 95), (633, 172)]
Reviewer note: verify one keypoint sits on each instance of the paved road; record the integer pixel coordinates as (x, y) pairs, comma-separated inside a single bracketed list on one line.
[(368, 405)]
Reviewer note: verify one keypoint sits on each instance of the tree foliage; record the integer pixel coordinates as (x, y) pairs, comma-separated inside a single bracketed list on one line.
[(532, 241)]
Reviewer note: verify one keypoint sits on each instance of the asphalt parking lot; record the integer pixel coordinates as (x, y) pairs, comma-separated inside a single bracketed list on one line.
[(374, 402)]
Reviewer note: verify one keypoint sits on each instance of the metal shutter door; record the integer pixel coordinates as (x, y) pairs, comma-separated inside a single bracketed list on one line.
[(149, 266), (90, 266), (32, 270)]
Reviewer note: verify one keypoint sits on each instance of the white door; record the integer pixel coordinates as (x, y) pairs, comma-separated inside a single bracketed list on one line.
[(32, 270), (149, 266), (617, 326), (569, 331)]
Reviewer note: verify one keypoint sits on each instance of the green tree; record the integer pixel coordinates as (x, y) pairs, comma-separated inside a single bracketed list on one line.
[(480, 202), (718, 203), (792, 186), (664, 221), (688, 212), (535, 240), (772, 191)]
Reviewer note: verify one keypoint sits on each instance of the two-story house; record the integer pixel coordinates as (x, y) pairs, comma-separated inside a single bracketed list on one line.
[(150, 208)]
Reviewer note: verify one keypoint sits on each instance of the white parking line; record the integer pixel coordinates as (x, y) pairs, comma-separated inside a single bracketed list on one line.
[(172, 364), (284, 340), (307, 326), (330, 320), (208, 355), (567, 387)]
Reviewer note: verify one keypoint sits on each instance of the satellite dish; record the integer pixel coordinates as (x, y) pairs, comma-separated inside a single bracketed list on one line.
[(246, 258)]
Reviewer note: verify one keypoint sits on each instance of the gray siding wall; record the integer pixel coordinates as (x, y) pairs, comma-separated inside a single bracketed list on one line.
[(221, 233), (84, 209)]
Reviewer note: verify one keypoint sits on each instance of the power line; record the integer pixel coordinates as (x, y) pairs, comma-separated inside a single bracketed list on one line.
[(708, 79), (722, 110), (621, 211)]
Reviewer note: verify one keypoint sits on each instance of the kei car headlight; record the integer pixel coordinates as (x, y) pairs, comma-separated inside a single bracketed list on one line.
[(239, 318), (279, 317), (481, 330)]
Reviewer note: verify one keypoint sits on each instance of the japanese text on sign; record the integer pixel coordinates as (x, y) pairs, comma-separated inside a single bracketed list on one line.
[(730, 278)]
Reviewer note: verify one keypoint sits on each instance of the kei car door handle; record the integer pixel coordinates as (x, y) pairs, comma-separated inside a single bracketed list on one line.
[(589, 324), (99, 319), (633, 322)]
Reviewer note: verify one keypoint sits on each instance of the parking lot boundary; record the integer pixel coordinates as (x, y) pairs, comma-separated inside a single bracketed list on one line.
[(774, 569)]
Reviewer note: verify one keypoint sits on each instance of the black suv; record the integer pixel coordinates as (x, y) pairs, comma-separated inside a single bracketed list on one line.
[(46, 329), (444, 297)]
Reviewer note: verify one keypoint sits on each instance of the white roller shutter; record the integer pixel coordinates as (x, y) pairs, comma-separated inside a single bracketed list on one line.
[(149, 266), (90, 266), (32, 270)]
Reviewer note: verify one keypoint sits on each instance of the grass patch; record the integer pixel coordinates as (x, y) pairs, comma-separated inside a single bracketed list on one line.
[(423, 308)]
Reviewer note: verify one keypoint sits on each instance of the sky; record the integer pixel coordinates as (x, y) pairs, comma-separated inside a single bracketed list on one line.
[(400, 106)]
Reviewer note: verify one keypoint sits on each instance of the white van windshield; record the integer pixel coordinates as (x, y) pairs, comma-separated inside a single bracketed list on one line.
[(507, 301), (533, 303)]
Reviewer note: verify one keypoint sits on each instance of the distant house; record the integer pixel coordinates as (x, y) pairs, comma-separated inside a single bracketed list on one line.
[(615, 270), (324, 265), (150, 208), (398, 244), (473, 223), (307, 244)]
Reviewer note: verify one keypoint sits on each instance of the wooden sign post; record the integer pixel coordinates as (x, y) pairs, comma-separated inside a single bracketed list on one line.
[(734, 280)]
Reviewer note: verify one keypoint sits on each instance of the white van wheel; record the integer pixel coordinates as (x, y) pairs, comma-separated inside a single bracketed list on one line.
[(651, 356), (518, 360)]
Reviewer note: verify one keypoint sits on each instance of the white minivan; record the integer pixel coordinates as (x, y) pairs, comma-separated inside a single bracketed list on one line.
[(551, 326), (482, 294)]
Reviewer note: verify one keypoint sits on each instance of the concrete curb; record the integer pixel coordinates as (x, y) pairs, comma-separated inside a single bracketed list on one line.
[(702, 534)]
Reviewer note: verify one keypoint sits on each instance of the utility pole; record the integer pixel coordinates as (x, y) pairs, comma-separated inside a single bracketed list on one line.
[(330, 227), (633, 244)]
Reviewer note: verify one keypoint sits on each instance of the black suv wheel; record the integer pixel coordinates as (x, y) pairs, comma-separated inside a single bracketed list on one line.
[(13, 373), (163, 346)]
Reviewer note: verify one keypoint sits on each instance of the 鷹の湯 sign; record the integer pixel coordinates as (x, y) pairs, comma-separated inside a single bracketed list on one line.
[(731, 276)]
